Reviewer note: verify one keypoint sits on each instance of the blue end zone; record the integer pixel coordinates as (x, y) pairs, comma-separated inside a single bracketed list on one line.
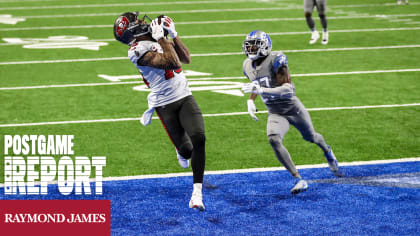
[(370, 200)]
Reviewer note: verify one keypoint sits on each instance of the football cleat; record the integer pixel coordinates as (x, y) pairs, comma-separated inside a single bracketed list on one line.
[(314, 37), (332, 162), (184, 163), (300, 186), (196, 201), (324, 38)]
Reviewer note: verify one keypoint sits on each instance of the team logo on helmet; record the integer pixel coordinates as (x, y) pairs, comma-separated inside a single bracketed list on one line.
[(122, 24)]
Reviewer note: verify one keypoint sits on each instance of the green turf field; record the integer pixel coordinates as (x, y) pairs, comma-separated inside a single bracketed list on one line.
[(373, 58)]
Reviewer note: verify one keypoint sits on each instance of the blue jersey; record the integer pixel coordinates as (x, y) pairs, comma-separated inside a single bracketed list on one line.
[(265, 76)]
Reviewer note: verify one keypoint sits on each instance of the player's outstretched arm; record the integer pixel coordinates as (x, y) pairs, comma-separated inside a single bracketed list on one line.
[(167, 60), (182, 51)]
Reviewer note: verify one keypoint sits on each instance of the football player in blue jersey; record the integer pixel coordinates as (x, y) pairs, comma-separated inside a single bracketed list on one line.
[(159, 61), (270, 78)]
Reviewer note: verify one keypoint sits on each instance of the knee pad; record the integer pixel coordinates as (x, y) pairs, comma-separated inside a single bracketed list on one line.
[(308, 14), (322, 16), (275, 140)]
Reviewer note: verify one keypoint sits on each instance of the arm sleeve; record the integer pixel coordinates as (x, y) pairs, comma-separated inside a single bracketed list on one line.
[(286, 91)]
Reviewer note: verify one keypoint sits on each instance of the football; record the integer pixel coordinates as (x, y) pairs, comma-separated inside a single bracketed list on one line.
[(160, 20)]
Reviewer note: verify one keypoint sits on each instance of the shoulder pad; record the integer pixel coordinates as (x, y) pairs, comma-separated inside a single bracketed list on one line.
[(279, 61)]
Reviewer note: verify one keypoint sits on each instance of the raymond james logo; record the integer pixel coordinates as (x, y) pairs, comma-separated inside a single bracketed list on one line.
[(54, 218), (33, 160)]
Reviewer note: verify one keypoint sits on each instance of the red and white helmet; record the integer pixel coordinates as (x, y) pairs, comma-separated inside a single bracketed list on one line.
[(127, 27)]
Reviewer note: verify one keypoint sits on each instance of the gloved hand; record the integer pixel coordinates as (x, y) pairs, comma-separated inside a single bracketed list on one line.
[(252, 109), (169, 25), (157, 30), (252, 88)]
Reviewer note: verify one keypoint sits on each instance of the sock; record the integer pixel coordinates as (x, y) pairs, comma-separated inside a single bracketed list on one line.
[(197, 189)]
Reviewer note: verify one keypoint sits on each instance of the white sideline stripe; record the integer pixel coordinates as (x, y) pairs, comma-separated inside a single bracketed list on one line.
[(210, 54), (205, 115), (266, 169), (207, 22), (250, 170), (125, 4), (208, 78)]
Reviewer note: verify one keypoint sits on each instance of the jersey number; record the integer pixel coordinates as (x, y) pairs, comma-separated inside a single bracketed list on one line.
[(264, 82), (169, 74)]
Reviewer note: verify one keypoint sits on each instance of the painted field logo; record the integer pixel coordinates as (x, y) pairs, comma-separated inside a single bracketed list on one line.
[(33, 160), (54, 42), (10, 20)]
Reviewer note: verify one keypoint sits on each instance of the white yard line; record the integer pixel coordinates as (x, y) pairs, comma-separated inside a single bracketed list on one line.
[(213, 11), (286, 5), (205, 115), (158, 12), (68, 85), (126, 4), (211, 22), (204, 78), (249, 170), (209, 54), (270, 33)]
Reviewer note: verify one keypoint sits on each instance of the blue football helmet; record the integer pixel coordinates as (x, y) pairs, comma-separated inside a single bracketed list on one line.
[(257, 44)]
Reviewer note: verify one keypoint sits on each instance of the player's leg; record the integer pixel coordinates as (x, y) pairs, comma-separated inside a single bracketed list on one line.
[(277, 127), (308, 6), (170, 120), (192, 121), (321, 6), (303, 122)]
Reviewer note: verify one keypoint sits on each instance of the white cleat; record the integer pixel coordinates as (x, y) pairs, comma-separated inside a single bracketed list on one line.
[(196, 201), (333, 163), (300, 186), (324, 38), (314, 37), (399, 2), (184, 163)]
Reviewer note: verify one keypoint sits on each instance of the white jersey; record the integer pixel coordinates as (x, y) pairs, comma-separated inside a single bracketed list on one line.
[(167, 86)]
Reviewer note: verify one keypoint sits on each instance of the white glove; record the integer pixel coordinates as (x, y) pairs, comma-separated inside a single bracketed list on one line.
[(169, 25), (252, 109), (157, 30), (252, 88)]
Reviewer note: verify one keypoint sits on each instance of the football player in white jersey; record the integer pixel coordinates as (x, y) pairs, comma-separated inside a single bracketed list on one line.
[(321, 6), (159, 60), (269, 75)]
